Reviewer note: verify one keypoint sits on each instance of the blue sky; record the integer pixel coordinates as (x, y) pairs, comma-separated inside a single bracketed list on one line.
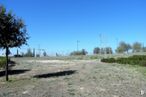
[(56, 25)]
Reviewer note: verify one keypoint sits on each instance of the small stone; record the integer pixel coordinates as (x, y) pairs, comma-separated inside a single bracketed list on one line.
[(142, 92), (115, 96), (81, 88), (25, 92)]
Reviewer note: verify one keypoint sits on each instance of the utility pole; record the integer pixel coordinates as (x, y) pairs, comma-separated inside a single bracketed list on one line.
[(78, 45), (33, 52), (39, 50), (143, 47), (100, 39), (17, 52), (117, 41)]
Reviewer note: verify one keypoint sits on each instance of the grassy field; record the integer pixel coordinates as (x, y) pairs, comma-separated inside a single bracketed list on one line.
[(72, 77)]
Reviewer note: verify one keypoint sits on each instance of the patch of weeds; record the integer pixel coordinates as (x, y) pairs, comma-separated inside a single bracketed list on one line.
[(89, 94), (94, 57), (101, 77), (95, 71), (118, 77), (70, 84), (94, 78), (2, 62), (82, 80), (67, 78), (140, 69), (71, 91), (11, 80), (6, 94)]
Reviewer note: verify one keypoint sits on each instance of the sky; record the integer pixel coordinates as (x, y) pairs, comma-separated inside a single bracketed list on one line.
[(56, 25)]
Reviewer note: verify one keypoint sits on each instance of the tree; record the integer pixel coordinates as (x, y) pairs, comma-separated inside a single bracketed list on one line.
[(144, 49), (137, 47), (128, 47), (102, 51), (29, 53), (96, 50), (108, 50), (12, 33), (123, 47), (84, 52), (119, 50), (44, 54)]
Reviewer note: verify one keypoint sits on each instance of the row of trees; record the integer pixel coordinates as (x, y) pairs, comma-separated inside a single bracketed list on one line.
[(30, 53), (106, 50), (82, 52), (126, 47), (123, 47)]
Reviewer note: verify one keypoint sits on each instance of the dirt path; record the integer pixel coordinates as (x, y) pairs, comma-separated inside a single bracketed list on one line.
[(73, 78)]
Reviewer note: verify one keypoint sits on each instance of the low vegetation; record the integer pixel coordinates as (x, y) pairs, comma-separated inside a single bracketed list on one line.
[(132, 60), (2, 62), (82, 52)]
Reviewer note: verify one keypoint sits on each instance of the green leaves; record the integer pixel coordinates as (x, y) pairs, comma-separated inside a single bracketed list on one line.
[(12, 30), (123, 47)]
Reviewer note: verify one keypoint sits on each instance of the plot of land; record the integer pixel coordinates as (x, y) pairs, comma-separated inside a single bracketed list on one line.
[(72, 78)]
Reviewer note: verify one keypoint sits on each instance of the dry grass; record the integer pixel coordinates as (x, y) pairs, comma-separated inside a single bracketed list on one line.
[(73, 78)]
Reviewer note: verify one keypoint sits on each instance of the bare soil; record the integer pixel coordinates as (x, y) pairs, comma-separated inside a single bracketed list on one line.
[(72, 78)]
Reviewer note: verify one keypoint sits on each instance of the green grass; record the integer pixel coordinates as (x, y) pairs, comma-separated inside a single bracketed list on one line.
[(2, 62)]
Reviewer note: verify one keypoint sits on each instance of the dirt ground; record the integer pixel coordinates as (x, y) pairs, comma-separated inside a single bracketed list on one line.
[(72, 78)]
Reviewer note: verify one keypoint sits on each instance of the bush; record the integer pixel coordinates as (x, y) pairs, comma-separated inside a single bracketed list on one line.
[(108, 60), (2, 62), (133, 60)]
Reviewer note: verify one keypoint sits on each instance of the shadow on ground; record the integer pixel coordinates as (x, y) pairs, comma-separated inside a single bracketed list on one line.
[(14, 72), (56, 74), (12, 63)]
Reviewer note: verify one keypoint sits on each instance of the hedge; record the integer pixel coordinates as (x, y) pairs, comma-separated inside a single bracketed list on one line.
[(132, 60)]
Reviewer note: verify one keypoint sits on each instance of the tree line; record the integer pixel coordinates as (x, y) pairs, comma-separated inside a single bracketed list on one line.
[(134, 48), (30, 53), (123, 47)]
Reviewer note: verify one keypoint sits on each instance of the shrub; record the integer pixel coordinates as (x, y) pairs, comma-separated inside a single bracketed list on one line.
[(133, 60), (108, 60)]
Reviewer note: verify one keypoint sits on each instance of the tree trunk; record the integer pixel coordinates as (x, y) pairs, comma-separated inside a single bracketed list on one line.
[(7, 62)]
